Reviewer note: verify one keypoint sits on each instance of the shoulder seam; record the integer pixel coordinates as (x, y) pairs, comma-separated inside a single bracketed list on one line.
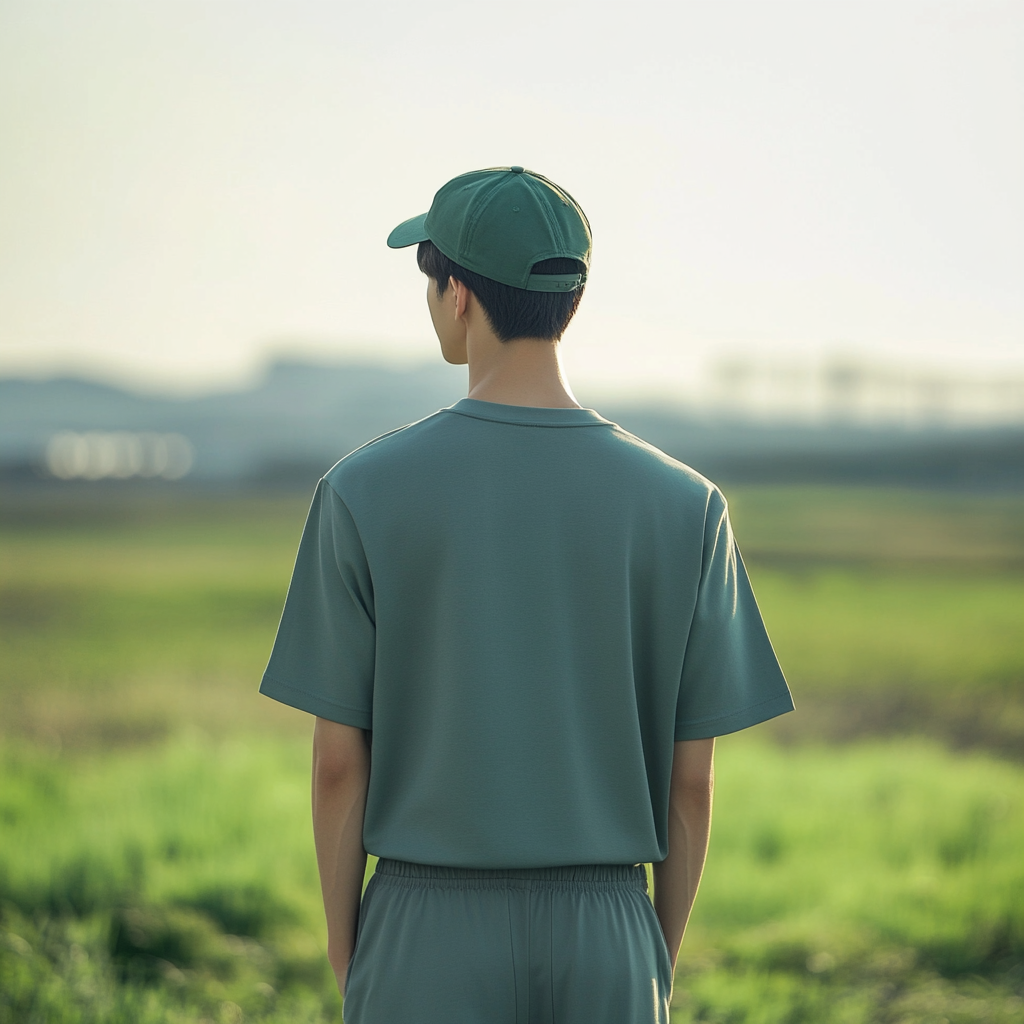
[(381, 437), (355, 526), (710, 484), (387, 433)]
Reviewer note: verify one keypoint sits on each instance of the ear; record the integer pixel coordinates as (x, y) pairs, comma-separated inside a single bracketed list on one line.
[(461, 293)]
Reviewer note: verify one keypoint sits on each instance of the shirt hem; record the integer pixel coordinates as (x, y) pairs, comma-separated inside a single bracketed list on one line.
[(314, 705), (742, 719)]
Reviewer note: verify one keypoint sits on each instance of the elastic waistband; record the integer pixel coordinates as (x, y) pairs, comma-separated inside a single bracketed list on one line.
[(578, 876)]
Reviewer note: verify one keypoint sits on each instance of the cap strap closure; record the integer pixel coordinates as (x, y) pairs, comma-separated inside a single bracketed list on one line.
[(554, 282)]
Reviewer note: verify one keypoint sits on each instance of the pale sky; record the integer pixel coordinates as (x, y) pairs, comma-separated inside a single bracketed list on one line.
[(187, 186)]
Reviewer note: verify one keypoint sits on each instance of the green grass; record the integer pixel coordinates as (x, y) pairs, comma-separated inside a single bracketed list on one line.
[(881, 882), (914, 651), (126, 620), (842, 628), (156, 860), (890, 611), (835, 879), (879, 526), (174, 882)]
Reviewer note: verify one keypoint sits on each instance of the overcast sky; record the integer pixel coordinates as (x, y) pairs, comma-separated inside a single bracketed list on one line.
[(186, 186)]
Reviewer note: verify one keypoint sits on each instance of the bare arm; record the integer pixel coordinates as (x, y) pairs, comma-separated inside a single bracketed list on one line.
[(341, 772), (689, 824)]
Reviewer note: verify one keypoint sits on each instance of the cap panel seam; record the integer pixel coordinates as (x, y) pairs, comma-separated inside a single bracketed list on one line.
[(562, 194), (487, 198), (554, 225)]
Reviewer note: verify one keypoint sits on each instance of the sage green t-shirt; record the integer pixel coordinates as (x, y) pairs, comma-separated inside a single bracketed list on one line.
[(527, 607)]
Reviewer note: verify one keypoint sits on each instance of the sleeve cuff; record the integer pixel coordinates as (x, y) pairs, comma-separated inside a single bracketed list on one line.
[(316, 705), (705, 728)]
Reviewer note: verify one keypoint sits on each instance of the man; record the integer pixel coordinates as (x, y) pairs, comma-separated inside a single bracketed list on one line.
[(520, 628)]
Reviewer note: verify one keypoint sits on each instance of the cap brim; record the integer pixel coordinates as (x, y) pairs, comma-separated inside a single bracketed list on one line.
[(409, 232)]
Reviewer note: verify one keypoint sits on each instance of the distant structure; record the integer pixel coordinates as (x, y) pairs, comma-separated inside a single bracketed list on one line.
[(750, 422), (855, 392), (118, 455)]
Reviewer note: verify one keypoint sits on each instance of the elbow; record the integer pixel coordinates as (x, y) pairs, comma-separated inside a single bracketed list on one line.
[(331, 770), (694, 795), (693, 773), (340, 756)]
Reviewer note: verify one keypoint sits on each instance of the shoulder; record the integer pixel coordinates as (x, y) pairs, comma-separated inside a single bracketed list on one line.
[(386, 453), (660, 473)]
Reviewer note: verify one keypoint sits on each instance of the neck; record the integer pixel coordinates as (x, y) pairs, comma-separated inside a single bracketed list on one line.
[(527, 371)]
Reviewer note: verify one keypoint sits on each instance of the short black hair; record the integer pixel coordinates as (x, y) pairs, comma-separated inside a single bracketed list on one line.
[(511, 312)]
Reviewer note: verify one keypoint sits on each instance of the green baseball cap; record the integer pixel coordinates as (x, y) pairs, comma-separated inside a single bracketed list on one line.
[(499, 222)]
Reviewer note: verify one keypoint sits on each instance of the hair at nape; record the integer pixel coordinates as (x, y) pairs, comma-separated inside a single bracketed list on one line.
[(511, 312)]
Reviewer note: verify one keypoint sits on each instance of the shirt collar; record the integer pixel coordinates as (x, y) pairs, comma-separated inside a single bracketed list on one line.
[(527, 415)]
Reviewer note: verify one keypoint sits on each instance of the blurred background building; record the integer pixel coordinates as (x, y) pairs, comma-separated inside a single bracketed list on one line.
[(751, 421)]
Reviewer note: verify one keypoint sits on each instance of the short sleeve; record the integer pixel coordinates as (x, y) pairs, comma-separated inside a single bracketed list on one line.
[(731, 678), (323, 657)]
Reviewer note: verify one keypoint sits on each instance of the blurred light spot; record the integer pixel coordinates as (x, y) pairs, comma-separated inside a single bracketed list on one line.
[(821, 962), (118, 455)]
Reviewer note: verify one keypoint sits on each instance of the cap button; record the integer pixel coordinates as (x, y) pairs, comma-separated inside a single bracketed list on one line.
[(516, 170)]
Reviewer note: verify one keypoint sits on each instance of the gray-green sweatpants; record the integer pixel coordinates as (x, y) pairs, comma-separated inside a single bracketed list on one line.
[(569, 945)]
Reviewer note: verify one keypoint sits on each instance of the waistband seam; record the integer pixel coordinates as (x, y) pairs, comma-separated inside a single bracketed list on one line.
[(505, 882), (602, 877)]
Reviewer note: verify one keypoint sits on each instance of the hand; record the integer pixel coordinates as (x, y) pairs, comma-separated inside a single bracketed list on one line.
[(339, 962)]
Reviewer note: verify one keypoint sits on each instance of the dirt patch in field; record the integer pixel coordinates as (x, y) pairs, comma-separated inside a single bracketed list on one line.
[(143, 712), (990, 719)]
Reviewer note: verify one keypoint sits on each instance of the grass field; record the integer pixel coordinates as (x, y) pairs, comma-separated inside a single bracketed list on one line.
[(881, 882), (157, 861)]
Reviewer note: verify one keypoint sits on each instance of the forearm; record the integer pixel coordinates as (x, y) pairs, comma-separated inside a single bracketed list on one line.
[(677, 878), (339, 798)]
